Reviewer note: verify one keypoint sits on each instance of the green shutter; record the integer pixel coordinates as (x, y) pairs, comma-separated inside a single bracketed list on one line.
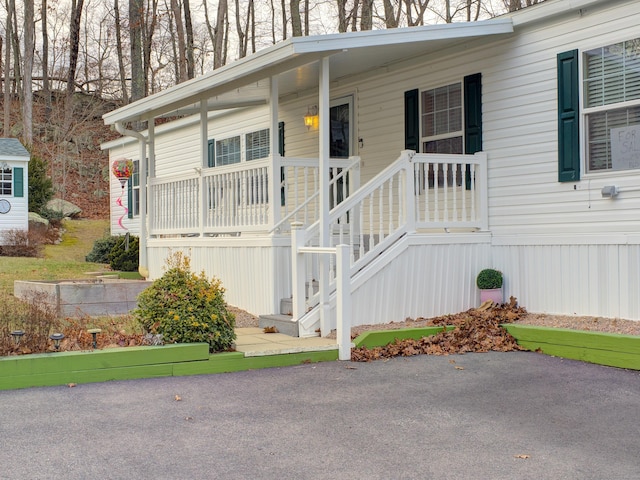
[(412, 120), (130, 197), (568, 117), (281, 152), (18, 182), (473, 113), (211, 153), (472, 119)]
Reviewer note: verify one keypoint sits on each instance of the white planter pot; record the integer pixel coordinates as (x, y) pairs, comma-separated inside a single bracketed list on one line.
[(495, 294)]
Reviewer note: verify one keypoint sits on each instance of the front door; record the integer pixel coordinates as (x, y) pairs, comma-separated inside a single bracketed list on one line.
[(340, 142)]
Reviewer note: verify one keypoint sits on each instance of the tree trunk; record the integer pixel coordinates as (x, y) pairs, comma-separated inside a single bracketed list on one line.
[(74, 44), (123, 77), (135, 38), (296, 24), (27, 95), (366, 16), (7, 75), (148, 30), (181, 59), (283, 8), (189, 32), (46, 87)]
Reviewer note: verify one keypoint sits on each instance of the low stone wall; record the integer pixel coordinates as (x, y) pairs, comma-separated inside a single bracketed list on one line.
[(74, 298)]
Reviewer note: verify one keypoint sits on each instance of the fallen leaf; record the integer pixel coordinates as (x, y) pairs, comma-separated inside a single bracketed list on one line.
[(178, 398), (71, 385), (270, 329), (458, 368), (349, 367), (522, 455)]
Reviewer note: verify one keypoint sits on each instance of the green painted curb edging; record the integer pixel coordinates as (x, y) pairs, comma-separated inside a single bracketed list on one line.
[(380, 338), (39, 370), (609, 349)]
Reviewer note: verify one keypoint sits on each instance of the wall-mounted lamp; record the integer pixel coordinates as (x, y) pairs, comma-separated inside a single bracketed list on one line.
[(610, 191), (311, 118)]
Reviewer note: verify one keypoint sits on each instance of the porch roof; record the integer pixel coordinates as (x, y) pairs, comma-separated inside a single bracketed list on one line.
[(294, 62)]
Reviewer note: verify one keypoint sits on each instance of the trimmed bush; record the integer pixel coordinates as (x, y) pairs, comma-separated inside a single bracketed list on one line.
[(489, 279), (101, 249), (185, 307), (122, 259)]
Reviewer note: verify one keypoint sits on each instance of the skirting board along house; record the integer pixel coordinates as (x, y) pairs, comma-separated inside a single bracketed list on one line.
[(14, 200), (431, 152)]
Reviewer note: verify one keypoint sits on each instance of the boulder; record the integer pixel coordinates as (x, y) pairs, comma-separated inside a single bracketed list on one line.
[(67, 209), (37, 219)]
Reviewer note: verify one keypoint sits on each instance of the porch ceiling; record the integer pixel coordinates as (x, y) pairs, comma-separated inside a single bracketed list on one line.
[(295, 63)]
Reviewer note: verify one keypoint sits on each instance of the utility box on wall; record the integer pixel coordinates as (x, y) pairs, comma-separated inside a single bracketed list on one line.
[(14, 187)]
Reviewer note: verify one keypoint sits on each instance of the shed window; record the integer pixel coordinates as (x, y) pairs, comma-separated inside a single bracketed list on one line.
[(611, 106), (6, 181)]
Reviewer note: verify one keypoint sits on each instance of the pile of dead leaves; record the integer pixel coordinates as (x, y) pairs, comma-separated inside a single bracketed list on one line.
[(476, 330)]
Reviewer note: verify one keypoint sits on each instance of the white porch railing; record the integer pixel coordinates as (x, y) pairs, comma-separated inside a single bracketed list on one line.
[(417, 191), (236, 198)]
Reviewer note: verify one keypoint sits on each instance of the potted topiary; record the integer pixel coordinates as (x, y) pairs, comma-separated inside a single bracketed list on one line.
[(489, 281)]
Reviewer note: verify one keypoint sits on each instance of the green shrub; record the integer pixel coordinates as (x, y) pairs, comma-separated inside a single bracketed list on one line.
[(101, 249), (122, 259), (489, 279), (185, 307), (55, 217), (40, 185)]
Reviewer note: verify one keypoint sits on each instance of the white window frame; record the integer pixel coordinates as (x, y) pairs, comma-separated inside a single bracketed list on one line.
[(135, 189), (6, 177), (448, 135), (586, 111)]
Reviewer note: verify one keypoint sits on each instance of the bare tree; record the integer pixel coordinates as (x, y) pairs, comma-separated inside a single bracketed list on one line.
[(119, 53), (7, 73), (135, 39), (188, 26), (296, 23), (180, 59), (366, 15), (27, 95), (74, 40), (148, 30), (244, 31), (217, 33)]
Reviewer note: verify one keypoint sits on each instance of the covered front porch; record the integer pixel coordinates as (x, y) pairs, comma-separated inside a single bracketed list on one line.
[(234, 216)]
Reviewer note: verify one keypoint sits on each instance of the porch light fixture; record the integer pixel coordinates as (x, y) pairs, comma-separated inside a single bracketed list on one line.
[(17, 335), (94, 333), (56, 337), (311, 118)]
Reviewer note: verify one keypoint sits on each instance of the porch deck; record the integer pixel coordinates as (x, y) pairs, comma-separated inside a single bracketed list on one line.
[(253, 342)]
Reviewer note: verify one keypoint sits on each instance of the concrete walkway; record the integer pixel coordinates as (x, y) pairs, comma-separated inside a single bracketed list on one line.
[(495, 416), (254, 342)]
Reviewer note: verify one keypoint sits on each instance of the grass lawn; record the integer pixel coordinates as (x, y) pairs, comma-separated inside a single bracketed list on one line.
[(64, 261)]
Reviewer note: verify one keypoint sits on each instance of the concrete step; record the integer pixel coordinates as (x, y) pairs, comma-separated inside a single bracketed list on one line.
[(284, 324)]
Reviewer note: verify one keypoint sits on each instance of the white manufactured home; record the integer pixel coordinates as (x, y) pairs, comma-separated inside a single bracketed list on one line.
[(14, 200), (430, 152)]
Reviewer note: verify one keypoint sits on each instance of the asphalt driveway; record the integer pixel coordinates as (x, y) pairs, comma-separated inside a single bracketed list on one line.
[(477, 416)]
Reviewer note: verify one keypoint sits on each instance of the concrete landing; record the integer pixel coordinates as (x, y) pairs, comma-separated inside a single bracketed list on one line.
[(253, 342)]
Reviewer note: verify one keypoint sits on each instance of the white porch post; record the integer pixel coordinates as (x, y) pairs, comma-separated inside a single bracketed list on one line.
[(274, 167), (297, 271), (343, 307), (324, 125), (204, 153), (143, 267)]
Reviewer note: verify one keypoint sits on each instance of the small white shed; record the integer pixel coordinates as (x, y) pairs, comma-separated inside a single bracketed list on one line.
[(14, 186)]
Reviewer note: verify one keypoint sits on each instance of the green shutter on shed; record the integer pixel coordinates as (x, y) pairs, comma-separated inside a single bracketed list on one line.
[(211, 153), (18, 182), (568, 117), (412, 120)]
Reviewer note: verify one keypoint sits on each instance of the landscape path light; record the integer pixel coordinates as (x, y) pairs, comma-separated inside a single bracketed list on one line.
[(17, 335), (94, 333), (56, 337)]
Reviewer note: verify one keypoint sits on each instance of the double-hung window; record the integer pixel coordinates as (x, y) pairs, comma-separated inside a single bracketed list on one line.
[(228, 151), (611, 106), (6, 180), (442, 129), (257, 144)]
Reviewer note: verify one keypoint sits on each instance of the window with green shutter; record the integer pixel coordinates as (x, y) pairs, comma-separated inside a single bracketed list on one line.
[(568, 117), (18, 182)]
